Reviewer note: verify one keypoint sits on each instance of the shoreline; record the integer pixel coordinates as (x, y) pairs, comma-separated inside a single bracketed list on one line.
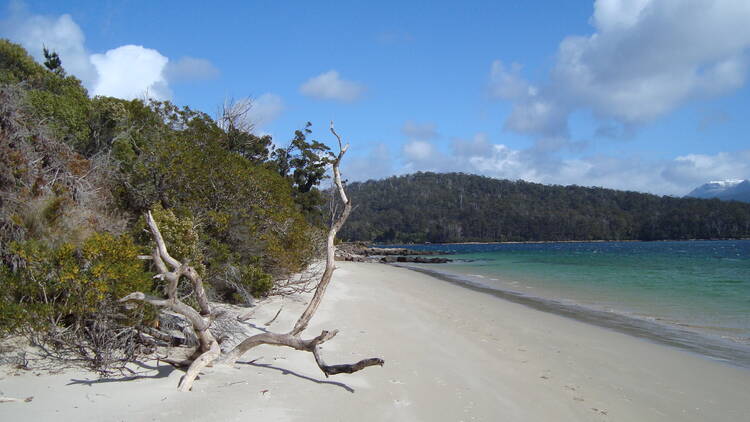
[(706, 346), (533, 242), (451, 353)]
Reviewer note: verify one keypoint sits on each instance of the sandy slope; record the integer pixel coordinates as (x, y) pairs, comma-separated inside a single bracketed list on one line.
[(451, 354)]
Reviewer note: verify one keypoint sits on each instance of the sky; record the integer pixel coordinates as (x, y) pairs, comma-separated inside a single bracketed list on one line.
[(643, 95)]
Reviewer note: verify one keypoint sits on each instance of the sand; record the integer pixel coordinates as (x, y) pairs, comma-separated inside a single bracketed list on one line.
[(452, 354)]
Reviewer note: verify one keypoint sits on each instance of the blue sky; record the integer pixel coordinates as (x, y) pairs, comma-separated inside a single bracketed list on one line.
[(646, 95)]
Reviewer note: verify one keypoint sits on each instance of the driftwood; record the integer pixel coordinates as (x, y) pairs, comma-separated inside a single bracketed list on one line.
[(4, 399), (208, 351)]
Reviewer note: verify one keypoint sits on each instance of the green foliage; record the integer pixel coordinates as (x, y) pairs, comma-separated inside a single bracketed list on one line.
[(180, 234), (304, 164), (250, 146), (255, 280), (16, 65), (63, 285), (66, 104), (53, 63), (430, 207), (109, 122), (76, 173), (60, 100), (241, 205)]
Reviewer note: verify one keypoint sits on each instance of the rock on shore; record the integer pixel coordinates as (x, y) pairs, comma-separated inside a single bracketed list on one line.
[(362, 252)]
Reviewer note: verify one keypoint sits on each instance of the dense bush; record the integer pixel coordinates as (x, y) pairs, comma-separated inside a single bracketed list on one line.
[(180, 233), (64, 285), (77, 174), (61, 100)]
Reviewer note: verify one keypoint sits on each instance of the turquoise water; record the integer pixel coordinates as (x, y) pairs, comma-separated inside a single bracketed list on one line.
[(693, 294)]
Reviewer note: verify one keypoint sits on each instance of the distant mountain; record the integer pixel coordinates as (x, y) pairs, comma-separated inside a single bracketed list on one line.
[(727, 190), (455, 207)]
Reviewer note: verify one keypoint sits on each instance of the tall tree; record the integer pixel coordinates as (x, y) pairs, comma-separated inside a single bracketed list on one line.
[(52, 62), (303, 162)]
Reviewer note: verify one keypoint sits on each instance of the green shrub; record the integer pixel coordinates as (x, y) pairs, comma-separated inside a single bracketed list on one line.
[(63, 285), (60, 100), (257, 282), (180, 234)]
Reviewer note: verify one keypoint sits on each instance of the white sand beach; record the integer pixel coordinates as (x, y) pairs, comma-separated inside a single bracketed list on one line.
[(451, 354)]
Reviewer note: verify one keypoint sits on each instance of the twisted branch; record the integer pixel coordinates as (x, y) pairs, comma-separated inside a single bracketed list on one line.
[(209, 350)]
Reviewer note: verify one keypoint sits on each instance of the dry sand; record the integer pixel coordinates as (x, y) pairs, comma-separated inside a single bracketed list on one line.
[(451, 354)]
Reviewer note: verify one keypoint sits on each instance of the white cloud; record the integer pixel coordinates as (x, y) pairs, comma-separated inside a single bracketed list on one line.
[(478, 155), (60, 34), (419, 151), (419, 131), (696, 169), (508, 84), (131, 71), (646, 58), (265, 109), (127, 71), (618, 14), (329, 86), (537, 115)]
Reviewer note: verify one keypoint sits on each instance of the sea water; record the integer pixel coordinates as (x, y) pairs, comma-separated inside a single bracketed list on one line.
[(690, 294)]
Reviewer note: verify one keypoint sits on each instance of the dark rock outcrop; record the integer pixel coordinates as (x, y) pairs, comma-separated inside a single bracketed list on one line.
[(363, 252)]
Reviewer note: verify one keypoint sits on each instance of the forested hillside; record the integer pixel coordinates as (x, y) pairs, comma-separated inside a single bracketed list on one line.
[(78, 173), (430, 207)]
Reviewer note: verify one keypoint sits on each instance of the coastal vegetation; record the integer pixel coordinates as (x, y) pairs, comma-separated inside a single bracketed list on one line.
[(457, 207), (78, 174)]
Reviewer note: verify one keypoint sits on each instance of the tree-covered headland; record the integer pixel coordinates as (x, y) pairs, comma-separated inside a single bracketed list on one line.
[(455, 207)]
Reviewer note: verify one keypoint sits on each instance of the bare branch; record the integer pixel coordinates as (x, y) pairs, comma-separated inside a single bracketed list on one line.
[(275, 316), (162, 248), (209, 350), (344, 368), (306, 316)]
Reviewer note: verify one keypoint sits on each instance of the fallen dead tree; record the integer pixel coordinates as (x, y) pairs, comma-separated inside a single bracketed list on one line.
[(208, 351)]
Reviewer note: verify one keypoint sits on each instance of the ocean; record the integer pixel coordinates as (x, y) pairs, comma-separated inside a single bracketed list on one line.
[(694, 295)]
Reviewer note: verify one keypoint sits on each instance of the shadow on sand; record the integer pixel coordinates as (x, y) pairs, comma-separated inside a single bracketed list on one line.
[(162, 371), (304, 377)]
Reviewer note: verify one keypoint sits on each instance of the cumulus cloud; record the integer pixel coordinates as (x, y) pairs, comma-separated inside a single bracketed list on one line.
[(538, 115), (542, 163), (131, 71), (128, 71), (696, 169), (420, 131), (645, 59), (330, 86), (479, 155), (60, 34), (507, 83), (419, 151), (265, 109)]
